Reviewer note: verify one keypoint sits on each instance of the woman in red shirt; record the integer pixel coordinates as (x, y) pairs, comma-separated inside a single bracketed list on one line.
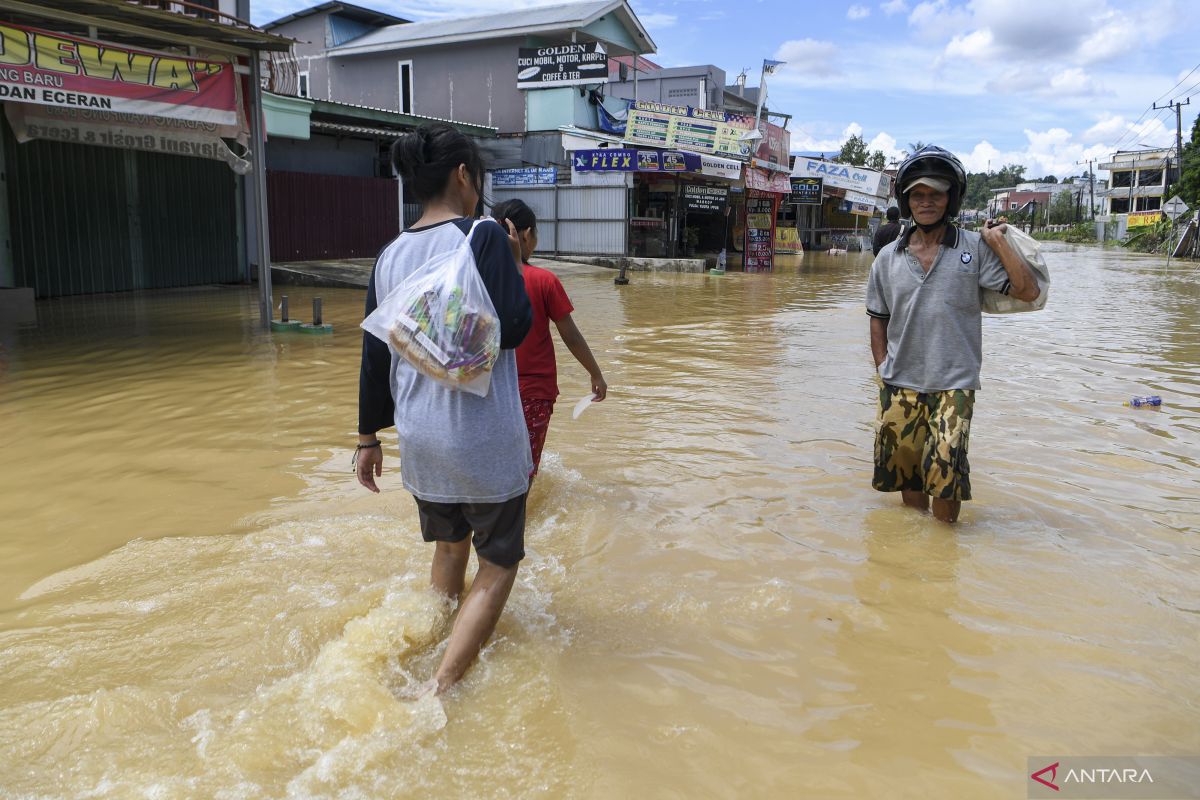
[(537, 372)]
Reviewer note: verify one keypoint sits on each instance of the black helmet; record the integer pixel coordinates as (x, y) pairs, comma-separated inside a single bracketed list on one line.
[(934, 162)]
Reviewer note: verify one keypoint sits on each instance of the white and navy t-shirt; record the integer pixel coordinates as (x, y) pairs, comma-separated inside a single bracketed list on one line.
[(455, 447)]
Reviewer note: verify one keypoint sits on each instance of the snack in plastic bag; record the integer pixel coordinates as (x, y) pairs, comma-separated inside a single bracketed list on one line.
[(440, 320), (1029, 251)]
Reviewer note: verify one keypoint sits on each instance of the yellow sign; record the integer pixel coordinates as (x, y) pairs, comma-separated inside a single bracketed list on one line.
[(1144, 218), (787, 240)]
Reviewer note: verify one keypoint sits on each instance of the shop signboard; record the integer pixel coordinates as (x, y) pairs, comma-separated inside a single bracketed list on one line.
[(1144, 218), (860, 209), (611, 159), (765, 181), (725, 168), (759, 252), (696, 129), (775, 147), (787, 241), (842, 176), (525, 176), (806, 191), (125, 131), (705, 199), (561, 65), (54, 69)]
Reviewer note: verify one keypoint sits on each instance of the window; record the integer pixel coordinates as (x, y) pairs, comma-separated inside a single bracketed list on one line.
[(1150, 177), (1149, 203), (302, 85), (1012, 206), (1123, 178), (1119, 205), (406, 87)]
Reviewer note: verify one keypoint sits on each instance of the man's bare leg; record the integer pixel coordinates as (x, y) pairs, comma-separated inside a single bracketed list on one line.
[(476, 620), (917, 500), (946, 510), (449, 572)]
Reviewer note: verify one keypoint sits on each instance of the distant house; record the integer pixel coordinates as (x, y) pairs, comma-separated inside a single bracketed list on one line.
[(1138, 180)]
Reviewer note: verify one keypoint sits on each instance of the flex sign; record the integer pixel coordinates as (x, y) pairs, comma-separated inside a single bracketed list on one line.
[(841, 176)]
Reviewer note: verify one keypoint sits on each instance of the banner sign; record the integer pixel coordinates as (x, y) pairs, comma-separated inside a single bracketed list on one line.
[(628, 160), (860, 209), (806, 191), (1146, 218), (774, 148), (525, 176), (54, 69), (705, 199), (764, 181), (759, 254), (561, 65), (125, 131), (725, 168), (710, 132), (840, 175), (787, 241)]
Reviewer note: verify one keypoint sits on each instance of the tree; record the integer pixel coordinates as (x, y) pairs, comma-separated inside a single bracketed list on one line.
[(914, 147), (1047, 179), (1189, 177), (853, 152), (1062, 208)]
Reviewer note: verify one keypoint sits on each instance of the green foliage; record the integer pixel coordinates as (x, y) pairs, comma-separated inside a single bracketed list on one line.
[(1189, 179), (980, 184), (1080, 233), (1062, 208), (854, 152), (1150, 238)]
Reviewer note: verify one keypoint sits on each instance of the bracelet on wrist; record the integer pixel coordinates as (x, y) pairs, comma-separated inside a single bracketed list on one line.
[(360, 447)]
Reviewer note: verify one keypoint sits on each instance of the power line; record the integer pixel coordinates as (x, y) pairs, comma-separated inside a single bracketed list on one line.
[(1177, 85)]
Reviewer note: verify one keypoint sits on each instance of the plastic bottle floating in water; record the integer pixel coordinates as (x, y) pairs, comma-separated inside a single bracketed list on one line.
[(1146, 401)]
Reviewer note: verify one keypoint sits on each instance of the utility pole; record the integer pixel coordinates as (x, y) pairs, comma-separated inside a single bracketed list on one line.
[(1177, 107), (1091, 186)]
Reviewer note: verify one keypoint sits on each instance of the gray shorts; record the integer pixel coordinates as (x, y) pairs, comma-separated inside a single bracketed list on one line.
[(499, 528)]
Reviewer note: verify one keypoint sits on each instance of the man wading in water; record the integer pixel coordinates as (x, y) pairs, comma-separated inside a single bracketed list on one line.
[(924, 300)]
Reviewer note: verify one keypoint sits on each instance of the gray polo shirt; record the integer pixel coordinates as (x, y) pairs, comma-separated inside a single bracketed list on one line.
[(935, 321)]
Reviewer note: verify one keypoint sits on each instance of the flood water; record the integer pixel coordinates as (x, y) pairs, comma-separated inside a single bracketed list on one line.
[(197, 600)]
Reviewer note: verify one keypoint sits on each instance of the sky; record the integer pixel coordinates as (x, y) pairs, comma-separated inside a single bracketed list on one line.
[(1043, 83)]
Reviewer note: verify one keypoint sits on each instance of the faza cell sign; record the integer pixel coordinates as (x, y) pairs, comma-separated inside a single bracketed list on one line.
[(561, 65)]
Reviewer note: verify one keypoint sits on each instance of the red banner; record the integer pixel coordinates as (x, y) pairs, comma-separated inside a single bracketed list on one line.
[(54, 69), (761, 208)]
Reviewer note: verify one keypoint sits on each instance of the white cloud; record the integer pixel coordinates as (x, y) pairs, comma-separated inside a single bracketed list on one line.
[(1073, 81), (893, 7), (976, 46), (657, 20), (809, 57), (857, 12)]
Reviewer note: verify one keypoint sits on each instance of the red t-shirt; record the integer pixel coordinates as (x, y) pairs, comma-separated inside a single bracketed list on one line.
[(536, 370)]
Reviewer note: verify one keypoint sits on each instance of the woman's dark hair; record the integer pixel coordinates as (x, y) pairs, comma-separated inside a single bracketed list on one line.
[(517, 211), (424, 159)]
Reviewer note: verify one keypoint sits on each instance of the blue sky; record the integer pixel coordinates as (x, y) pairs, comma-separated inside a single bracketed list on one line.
[(1044, 83)]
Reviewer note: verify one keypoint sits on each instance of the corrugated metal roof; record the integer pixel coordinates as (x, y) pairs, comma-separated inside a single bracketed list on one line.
[(353, 111), (492, 26)]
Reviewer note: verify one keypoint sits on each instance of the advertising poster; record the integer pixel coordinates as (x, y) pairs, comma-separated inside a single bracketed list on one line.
[(54, 69), (609, 159), (525, 176), (561, 65), (806, 191), (709, 132), (705, 199), (759, 253)]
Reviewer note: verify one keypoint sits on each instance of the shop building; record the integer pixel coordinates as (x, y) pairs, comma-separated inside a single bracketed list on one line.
[(128, 157)]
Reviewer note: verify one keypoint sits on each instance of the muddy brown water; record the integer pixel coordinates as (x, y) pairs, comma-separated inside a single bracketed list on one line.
[(197, 601)]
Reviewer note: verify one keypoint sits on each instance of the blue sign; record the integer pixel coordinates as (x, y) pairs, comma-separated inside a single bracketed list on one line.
[(627, 160), (525, 176)]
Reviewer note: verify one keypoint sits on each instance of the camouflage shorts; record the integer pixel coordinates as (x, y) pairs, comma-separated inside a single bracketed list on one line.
[(921, 442)]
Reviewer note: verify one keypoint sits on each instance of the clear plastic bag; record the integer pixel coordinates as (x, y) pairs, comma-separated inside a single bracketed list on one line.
[(1029, 251), (441, 320)]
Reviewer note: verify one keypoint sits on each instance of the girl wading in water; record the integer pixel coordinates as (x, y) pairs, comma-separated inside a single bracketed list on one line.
[(464, 458)]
